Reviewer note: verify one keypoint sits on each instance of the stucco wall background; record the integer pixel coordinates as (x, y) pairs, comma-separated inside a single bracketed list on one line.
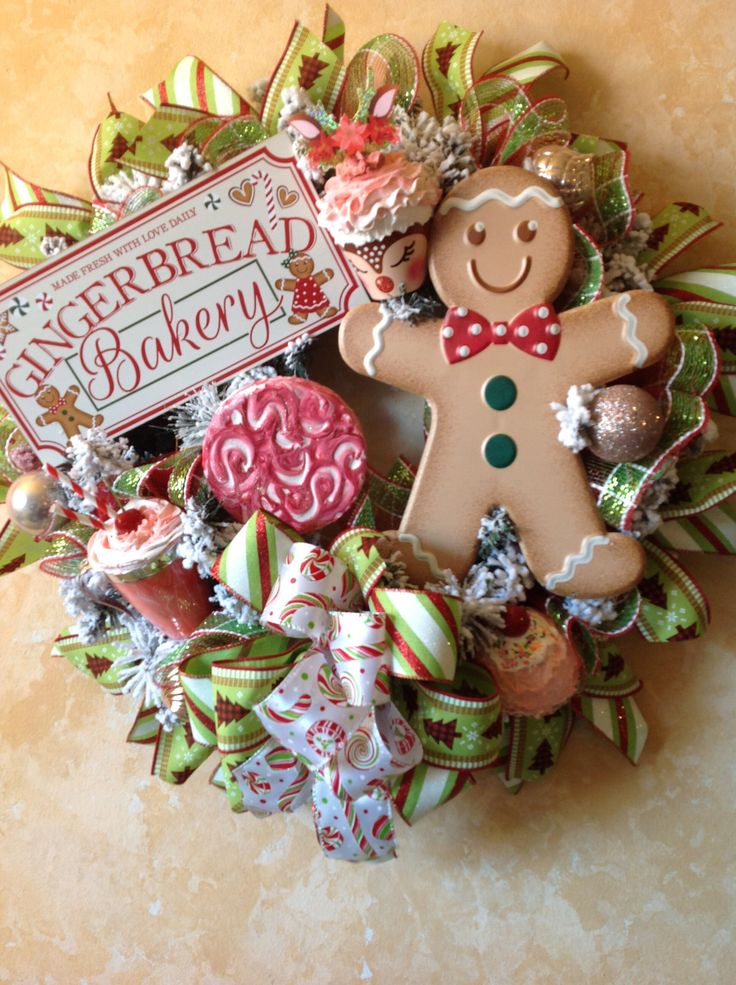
[(598, 871)]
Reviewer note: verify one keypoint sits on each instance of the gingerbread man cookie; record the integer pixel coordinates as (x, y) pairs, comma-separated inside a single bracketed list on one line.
[(63, 410), (309, 298), (501, 250)]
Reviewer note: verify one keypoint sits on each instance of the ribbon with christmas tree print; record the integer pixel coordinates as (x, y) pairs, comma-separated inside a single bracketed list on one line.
[(605, 699), (30, 213), (316, 66)]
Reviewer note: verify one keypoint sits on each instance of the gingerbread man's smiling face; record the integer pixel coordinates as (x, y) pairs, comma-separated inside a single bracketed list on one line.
[(501, 242)]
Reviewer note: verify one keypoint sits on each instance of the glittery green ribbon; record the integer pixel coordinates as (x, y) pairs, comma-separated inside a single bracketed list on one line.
[(176, 477), (708, 297), (612, 209)]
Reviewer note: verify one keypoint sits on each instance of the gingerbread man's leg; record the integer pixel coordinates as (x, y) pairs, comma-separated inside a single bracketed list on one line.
[(440, 526), (566, 544)]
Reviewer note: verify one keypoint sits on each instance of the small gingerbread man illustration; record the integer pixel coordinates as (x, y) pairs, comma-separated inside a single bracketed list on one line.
[(501, 250), (309, 298), (62, 410)]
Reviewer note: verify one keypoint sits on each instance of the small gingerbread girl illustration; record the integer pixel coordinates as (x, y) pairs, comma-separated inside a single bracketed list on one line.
[(500, 253), (309, 298), (6, 328), (63, 410)]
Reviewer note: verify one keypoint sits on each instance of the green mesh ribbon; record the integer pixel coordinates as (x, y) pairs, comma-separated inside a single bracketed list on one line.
[(176, 477)]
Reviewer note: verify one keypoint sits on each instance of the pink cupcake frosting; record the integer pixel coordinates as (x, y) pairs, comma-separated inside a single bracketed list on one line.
[(371, 197), (121, 549)]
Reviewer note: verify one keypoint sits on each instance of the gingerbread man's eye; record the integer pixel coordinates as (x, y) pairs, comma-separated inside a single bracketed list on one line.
[(476, 233), (526, 231)]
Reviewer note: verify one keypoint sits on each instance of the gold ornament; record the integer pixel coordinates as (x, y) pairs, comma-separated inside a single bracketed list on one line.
[(570, 171), (627, 423), (30, 502)]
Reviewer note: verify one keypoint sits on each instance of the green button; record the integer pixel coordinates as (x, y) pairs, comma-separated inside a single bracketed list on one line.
[(499, 392), (499, 450)]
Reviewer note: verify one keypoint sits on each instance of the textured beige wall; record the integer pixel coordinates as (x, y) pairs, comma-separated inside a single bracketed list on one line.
[(601, 871)]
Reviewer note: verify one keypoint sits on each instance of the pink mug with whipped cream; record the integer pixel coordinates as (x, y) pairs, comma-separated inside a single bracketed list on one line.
[(137, 551)]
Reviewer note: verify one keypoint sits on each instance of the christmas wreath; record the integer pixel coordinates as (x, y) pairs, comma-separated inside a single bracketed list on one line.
[(257, 588)]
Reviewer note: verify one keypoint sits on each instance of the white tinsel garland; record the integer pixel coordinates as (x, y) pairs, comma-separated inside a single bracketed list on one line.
[(149, 651), (593, 612), (84, 598), (51, 246), (296, 100), (202, 540), (574, 416), (120, 186), (293, 357), (183, 165), (622, 271), (97, 458), (233, 607), (647, 516), (190, 420)]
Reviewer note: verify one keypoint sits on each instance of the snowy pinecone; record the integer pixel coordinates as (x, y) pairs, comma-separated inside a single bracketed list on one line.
[(444, 147)]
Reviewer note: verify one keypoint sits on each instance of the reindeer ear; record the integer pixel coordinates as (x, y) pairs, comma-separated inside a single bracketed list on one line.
[(383, 102), (306, 126)]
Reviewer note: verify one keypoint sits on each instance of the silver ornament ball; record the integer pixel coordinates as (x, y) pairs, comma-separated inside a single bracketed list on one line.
[(627, 423), (30, 502)]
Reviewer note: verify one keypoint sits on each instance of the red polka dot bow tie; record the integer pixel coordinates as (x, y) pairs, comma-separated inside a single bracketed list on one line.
[(535, 330)]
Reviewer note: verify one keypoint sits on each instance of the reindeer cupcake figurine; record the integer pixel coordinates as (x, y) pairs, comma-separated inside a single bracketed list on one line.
[(378, 204)]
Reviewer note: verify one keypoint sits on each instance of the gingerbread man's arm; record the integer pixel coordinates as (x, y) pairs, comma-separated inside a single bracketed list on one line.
[(324, 275), (389, 349), (43, 419), (609, 338), (285, 284)]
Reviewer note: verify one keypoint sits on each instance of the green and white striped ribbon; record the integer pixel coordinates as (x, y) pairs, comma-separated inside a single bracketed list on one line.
[(711, 532), (193, 84), (424, 788)]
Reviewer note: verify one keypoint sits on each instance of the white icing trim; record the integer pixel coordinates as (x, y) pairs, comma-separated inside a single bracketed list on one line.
[(572, 561), (421, 555), (497, 195), (621, 308), (378, 344)]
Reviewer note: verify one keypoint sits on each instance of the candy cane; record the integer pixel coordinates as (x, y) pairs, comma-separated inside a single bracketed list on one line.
[(76, 517), (65, 479), (270, 198), (105, 501)]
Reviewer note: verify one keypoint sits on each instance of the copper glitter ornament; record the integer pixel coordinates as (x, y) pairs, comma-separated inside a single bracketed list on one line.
[(31, 500), (569, 170), (628, 423)]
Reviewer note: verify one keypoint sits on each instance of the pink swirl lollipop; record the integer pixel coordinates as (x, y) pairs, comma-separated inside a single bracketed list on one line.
[(288, 446)]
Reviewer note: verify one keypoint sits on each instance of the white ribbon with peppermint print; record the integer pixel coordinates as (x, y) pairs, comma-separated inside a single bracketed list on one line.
[(333, 732)]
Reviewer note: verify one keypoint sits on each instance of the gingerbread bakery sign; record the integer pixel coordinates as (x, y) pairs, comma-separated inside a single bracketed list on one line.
[(204, 283)]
